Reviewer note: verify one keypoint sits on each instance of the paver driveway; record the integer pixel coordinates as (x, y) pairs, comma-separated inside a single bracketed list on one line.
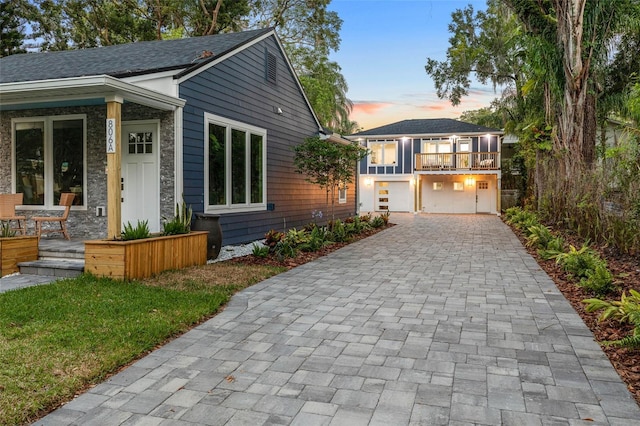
[(439, 320)]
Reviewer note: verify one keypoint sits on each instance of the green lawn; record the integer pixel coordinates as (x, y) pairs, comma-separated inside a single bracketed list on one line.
[(58, 338)]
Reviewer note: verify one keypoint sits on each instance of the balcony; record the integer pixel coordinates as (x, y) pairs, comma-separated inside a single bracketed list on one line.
[(458, 161)]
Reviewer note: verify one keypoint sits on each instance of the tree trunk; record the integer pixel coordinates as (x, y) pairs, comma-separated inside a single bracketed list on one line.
[(569, 141)]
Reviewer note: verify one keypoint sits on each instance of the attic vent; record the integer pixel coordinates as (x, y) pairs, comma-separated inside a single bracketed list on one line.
[(272, 68)]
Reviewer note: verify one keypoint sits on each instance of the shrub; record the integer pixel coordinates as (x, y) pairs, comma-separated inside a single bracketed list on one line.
[(338, 231), (138, 232), (5, 230), (625, 310), (579, 262), (385, 217), (260, 251), (539, 236), (521, 219), (318, 238), (554, 247), (181, 222), (598, 280), (377, 222), (272, 238)]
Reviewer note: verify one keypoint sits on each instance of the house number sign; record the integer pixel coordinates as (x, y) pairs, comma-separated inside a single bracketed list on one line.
[(111, 135)]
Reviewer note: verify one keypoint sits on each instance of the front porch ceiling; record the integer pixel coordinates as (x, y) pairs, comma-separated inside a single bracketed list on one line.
[(81, 91)]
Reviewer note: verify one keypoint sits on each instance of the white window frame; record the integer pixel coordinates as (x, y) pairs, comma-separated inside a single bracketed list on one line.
[(249, 130), (458, 186), (342, 193), (384, 161), (48, 159), (438, 142)]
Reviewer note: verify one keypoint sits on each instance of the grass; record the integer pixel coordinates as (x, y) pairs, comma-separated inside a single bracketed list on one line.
[(57, 339)]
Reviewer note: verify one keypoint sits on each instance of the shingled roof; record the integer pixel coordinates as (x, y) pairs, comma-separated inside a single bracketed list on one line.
[(427, 126), (125, 59)]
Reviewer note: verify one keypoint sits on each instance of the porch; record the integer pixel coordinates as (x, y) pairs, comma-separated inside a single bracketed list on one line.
[(458, 161)]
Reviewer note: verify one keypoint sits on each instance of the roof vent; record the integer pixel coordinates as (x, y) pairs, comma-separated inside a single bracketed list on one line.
[(272, 68)]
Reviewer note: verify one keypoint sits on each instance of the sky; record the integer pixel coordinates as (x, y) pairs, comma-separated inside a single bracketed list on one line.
[(385, 46)]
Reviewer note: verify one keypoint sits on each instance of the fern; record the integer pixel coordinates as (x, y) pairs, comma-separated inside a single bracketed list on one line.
[(627, 309)]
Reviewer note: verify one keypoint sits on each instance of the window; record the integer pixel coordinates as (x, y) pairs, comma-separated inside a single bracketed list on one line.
[(433, 146), (342, 194), (458, 186), (49, 158), (235, 160), (383, 153), (437, 186)]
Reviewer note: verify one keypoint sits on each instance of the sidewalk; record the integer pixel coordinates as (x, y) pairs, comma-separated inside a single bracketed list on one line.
[(439, 320)]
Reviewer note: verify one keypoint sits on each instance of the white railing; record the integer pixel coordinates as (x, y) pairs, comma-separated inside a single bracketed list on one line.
[(458, 161)]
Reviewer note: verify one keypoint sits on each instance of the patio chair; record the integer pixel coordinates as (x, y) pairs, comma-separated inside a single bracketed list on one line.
[(66, 199), (8, 203)]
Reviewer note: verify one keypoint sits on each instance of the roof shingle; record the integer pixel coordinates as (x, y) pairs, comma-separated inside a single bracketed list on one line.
[(124, 59), (427, 126)]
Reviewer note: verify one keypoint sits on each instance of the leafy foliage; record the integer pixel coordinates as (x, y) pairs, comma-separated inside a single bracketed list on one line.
[(625, 310), (138, 232), (260, 251), (598, 280), (327, 164), (5, 229), (181, 223), (578, 262)]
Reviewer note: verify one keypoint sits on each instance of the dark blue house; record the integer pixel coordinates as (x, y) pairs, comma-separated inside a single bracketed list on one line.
[(435, 165), (212, 120)]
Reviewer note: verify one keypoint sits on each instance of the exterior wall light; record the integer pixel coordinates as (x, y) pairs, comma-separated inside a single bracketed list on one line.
[(368, 181)]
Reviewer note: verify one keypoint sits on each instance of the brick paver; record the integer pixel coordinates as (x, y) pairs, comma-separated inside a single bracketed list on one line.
[(439, 320)]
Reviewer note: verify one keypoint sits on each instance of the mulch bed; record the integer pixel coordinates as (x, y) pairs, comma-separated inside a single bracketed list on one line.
[(626, 270)]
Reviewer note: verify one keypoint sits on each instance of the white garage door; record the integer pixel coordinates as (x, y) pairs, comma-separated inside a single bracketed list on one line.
[(393, 196)]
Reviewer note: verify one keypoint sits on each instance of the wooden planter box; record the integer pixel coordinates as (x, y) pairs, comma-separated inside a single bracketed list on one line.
[(14, 250), (136, 259)]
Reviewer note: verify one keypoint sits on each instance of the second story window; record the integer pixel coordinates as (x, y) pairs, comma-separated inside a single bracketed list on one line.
[(383, 153)]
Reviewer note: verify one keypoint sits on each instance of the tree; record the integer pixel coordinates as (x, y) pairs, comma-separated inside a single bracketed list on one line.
[(328, 164), (11, 31)]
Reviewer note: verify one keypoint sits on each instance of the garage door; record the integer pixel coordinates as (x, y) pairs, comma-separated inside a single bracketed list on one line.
[(393, 196)]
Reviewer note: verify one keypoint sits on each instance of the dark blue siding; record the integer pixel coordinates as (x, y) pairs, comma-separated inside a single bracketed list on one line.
[(237, 89)]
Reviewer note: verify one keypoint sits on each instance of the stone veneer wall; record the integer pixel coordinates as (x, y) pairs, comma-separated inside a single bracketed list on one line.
[(85, 223)]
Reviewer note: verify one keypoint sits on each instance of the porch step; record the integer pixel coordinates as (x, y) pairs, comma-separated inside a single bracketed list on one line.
[(72, 252), (56, 267)]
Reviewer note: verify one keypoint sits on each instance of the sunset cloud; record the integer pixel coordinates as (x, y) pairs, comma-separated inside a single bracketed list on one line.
[(368, 107)]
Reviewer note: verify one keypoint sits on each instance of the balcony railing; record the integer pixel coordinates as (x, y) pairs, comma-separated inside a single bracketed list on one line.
[(458, 161)]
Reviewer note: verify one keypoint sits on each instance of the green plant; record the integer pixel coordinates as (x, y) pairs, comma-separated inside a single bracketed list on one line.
[(5, 230), (598, 280), (377, 222), (521, 219), (138, 232), (539, 236), (181, 223), (338, 231), (579, 262), (625, 310), (273, 237), (385, 217), (285, 249), (318, 238), (260, 251), (555, 246)]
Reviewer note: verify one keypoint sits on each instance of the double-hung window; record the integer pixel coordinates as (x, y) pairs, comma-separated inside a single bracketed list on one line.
[(49, 154), (383, 153), (235, 165)]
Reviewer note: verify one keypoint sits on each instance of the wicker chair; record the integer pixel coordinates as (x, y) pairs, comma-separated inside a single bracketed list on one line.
[(66, 199), (8, 203)]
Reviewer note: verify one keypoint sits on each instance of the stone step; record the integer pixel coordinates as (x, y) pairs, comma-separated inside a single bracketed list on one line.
[(58, 267), (70, 253)]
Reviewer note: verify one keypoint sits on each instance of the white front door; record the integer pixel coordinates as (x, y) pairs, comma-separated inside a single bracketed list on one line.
[(140, 182), (483, 197)]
